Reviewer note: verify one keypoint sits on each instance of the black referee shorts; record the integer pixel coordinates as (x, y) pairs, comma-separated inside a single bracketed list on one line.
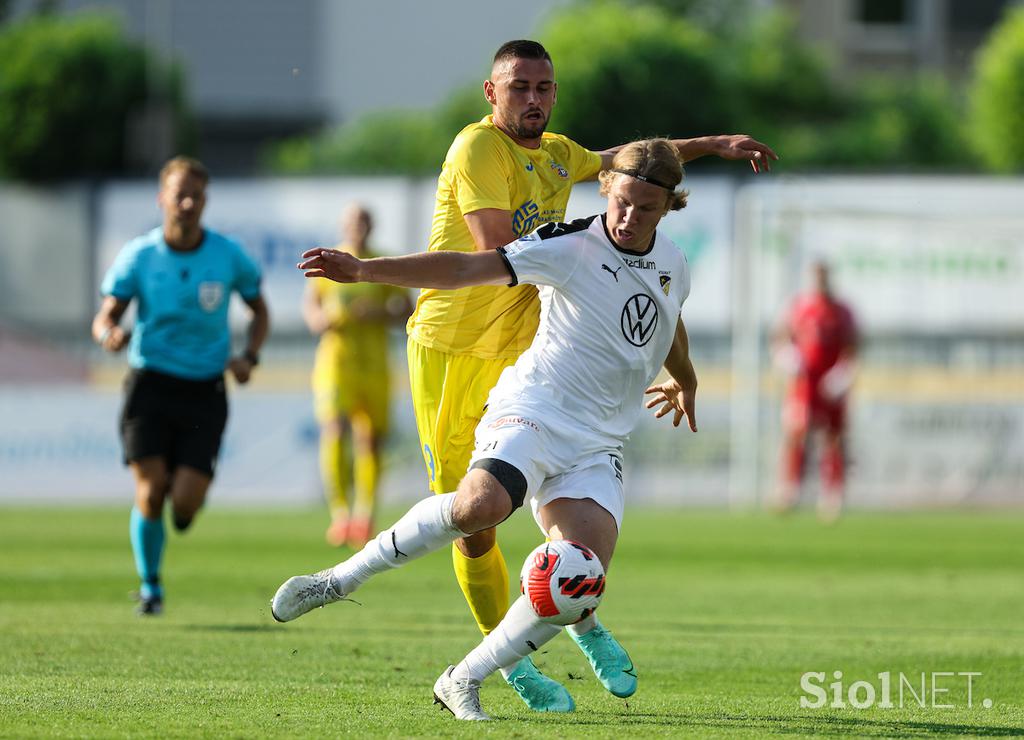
[(179, 420)]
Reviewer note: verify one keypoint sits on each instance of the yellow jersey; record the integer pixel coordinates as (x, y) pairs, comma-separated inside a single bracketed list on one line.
[(357, 340), (484, 168)]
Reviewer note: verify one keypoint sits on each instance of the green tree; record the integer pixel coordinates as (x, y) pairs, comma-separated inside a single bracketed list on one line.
[(997, 96), (635, 71), (72, 93), (384, 142), (667, 67)]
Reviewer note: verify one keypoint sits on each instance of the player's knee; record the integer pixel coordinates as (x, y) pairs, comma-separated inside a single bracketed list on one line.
[(182, 520), (509, 476), (150, 500)]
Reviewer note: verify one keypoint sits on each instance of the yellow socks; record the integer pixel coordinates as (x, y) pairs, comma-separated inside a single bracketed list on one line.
[(335, 471), (484, 583), (367, 474)]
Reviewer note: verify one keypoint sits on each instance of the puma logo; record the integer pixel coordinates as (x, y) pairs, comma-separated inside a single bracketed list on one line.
[(394, 544), (614, 273)]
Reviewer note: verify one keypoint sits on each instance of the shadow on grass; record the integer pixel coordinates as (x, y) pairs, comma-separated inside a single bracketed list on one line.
[(800, 725), (230, 627)]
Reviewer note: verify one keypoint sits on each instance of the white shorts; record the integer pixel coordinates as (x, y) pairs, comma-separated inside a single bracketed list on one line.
[(557, 457)]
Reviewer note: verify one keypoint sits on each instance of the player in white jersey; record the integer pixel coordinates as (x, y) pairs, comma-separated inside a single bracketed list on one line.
[(601, 307), (611, 291)]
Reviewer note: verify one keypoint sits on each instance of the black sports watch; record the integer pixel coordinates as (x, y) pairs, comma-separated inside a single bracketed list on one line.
[(252, 357)]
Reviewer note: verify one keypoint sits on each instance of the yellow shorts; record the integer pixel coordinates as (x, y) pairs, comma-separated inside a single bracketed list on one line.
[(449, 393), (365, 394)]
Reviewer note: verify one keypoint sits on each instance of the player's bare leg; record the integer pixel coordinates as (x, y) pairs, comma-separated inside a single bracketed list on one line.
[(587, 522), (188, 494), (522, 631), (475, 559)]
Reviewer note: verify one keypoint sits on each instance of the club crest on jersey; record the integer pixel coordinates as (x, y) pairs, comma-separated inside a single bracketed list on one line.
[(665, 281), (639, 319), (562, 172), (211, 295)]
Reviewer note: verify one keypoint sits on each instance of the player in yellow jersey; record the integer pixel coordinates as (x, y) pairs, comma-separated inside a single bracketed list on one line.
[(503, 177), (351, 384)]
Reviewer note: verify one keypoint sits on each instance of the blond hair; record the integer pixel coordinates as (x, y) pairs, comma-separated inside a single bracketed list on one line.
[(655, 161), (185, 164)]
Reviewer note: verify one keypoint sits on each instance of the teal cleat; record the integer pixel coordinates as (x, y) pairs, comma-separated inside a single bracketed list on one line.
[(610, 662), (540, 693)]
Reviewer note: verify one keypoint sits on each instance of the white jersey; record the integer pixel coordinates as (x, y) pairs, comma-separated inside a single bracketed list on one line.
[(607, 321)]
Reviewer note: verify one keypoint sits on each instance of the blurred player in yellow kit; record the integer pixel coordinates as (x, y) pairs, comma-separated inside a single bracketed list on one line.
[(502, 178), (352, 384)]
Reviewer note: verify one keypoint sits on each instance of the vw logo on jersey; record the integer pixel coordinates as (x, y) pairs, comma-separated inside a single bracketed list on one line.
[(529, 166), (525, 218), (639, 319)]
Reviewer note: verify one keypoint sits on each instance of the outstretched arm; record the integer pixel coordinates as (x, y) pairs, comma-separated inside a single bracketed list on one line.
[(679, 392), (726, 146), (444, 270)]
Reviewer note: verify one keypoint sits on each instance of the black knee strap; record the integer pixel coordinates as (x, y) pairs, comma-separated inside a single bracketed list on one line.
[(508, 476)]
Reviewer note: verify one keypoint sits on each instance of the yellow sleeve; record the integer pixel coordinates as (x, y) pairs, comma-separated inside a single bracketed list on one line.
[(583, 163), (478, 171)]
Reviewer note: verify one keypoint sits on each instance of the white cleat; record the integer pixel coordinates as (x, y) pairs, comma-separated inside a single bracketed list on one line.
[(460, 696), (301, 594)]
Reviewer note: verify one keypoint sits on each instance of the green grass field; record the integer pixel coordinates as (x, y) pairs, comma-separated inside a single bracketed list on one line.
[(722, 615)]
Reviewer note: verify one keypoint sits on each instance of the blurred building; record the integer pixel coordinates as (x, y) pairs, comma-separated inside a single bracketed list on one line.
[(898, 35), (260, 70)]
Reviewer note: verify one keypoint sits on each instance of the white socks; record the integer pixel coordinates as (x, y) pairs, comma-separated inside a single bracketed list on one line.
[(520, 633), (426, 527), (584, 626)]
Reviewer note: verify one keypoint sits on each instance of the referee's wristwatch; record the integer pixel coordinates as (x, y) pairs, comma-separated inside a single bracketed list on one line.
[(252, 357)]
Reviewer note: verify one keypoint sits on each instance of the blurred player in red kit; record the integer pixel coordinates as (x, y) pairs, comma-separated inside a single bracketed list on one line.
[(816, 346)]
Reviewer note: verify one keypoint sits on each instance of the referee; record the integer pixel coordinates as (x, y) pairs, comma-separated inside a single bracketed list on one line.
[(181, 277)]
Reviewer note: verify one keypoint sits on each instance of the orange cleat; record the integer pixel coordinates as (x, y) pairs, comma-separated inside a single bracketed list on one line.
[(338, 533), (360, 531)]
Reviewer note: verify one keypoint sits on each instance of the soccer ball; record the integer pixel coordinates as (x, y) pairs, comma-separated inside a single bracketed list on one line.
[(563, 581)]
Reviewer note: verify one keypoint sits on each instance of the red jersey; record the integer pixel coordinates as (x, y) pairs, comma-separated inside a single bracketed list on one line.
[(821, 329)]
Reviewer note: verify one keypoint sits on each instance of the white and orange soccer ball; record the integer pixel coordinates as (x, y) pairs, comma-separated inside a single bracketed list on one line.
[(563, 581)]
